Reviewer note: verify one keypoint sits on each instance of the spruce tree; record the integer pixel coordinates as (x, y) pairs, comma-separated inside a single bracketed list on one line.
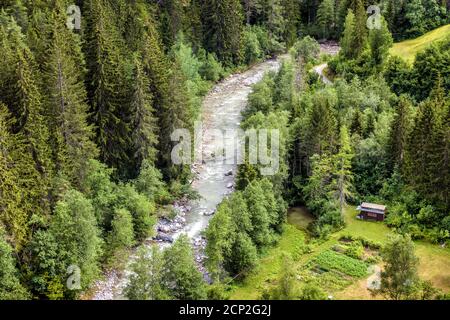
[(144, 127), (343, 180), (20, 92), (326, 18), (11, 213), (223, 23), (399, 133), (347, 48), (10, 286), (66, 102), (107, 85), (380, 40)]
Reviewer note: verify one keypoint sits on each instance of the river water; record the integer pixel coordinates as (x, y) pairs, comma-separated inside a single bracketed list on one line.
[(221, 110)]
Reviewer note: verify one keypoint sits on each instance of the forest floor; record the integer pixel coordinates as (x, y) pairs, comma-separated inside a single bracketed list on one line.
[(434, 260), (409, 48)]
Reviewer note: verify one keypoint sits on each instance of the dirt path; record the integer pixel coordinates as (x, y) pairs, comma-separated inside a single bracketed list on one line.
[(331, 48)]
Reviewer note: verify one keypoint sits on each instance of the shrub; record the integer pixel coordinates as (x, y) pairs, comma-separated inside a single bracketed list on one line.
[(306, 49), (211, 68), (355, 250), (252, 48), (330, 260)]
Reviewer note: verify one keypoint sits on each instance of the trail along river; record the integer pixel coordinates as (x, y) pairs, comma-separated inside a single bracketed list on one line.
[(221, 109)]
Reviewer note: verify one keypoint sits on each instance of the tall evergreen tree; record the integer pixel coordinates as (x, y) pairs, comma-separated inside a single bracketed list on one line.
[(343, 181), (399, 133), (108, 85), (347, 48), (326, 18), (144, 127), (10, 286), (66, 102), (20, 92), (223, 25), (380, 40)]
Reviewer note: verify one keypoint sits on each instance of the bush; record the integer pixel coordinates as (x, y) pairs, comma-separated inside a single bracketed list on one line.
[(307, 50), (211, 68), (355, 250), (252, 48), (330, 260), (121, 235)]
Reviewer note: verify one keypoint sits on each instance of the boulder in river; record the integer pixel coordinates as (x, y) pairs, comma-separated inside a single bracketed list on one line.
[(209, 213), (229, 173), (164, 238), (230, 185)]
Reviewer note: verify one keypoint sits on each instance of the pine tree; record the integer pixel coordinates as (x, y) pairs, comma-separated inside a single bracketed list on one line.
[(399, 133), (156, 68), (357, 123), (144, 127), (380, 40), (274, 22), (107, 85), (66, 102), (20, 92), (223, 29), (427, 150), (11, 213), (415, 15), (359, 40), (292, 21), (10, 286), (343, 181), (347, 48), (326, 18), (320, 133)]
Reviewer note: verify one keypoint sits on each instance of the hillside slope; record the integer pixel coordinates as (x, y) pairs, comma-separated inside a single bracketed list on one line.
[(409, 48)]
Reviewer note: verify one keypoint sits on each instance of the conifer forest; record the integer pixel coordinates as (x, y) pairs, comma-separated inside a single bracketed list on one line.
[(224, 149)]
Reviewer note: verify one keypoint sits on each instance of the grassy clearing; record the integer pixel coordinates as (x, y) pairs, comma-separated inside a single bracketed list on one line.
[(409, 48), (434, 260), (292, 242), (299, 217)]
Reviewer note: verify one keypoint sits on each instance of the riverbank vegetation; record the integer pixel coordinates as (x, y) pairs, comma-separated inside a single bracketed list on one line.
[(86, 117), (361, 138)]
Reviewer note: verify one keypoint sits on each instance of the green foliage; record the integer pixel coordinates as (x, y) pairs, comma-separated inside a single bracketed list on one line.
[(180, 272), (312, 292), (252, 48), (121, 235), (326, 18), (72, 238), (211, 69), (330, 260), (400, 272), (222, 22), (305, 50), (146, 282), (286, 288), (10, 286), (380, 40)]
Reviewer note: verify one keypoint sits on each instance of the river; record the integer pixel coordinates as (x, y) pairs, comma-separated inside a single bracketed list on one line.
[(221, 109)]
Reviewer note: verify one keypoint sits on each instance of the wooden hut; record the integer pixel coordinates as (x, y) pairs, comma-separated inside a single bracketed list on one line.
[(372, 211)]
